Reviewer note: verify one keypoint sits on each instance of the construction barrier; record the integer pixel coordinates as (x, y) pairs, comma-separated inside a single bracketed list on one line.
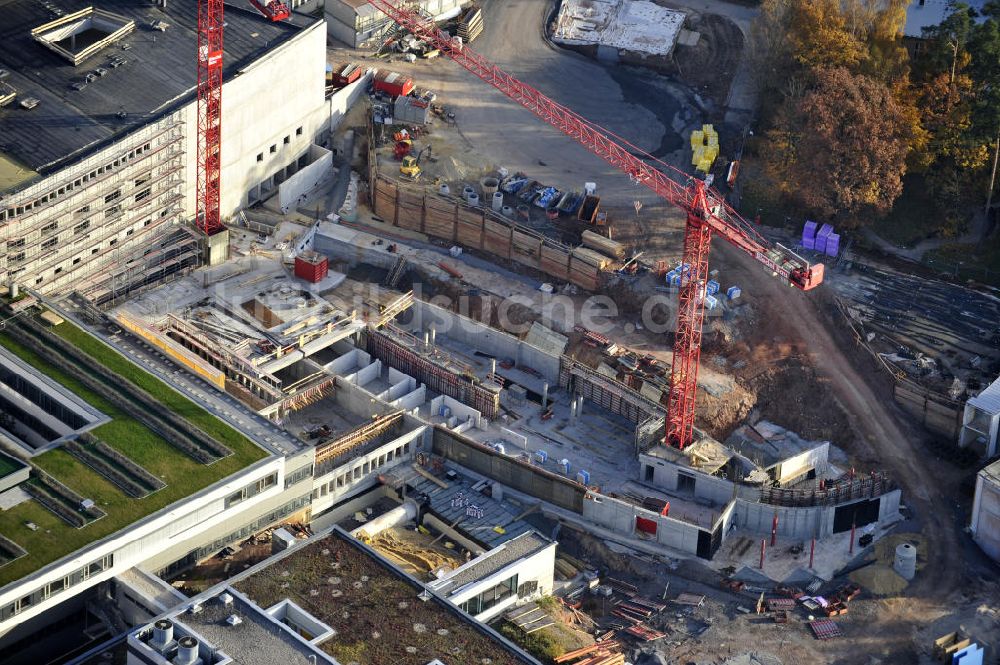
[(481, 228), (175, 351)]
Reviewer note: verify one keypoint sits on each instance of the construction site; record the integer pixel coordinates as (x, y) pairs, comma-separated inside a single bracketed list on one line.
[(461, 349)]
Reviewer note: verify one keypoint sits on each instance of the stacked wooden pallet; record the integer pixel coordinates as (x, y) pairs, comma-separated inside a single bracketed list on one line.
[(603, 244), (470, 25)]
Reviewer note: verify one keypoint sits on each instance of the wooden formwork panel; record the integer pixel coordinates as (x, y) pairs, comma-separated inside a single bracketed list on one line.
[(526, 248), (385, 187), (385, 200), (385, 206), (496, 238), (583, 274), (554, 261), (411, 211), (470, 228), (439, 217)]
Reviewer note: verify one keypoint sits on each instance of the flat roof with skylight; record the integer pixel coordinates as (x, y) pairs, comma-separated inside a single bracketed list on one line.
[(85, 73)]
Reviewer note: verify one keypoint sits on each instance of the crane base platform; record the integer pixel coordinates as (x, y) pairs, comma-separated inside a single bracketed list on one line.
[(215, 248)]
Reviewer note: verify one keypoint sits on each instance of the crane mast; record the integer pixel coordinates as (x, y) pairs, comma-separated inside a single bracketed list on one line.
[(210, 28), (707, 212)]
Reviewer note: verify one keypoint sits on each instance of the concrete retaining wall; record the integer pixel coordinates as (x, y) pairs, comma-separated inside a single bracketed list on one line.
[(508, 471), (306, 178), (485, 339), (620, 517), (797, 523)]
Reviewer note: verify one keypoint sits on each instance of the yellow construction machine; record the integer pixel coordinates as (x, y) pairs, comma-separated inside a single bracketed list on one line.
[(410, 168)]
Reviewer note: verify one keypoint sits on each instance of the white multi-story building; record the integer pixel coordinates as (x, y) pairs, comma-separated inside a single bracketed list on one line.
[(98, 134)]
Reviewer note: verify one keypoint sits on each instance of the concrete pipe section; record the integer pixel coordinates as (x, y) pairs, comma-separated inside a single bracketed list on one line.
[(401, 514)]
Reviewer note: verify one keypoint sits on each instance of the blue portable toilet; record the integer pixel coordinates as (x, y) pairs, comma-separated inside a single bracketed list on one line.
[(733, 292), (712, 287)]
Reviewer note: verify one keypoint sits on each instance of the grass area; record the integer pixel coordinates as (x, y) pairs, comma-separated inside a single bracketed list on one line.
[(914, 216), (166, 395), (54, 538)]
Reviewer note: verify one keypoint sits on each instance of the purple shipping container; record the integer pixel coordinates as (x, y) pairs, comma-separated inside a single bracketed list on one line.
[(809, 243), (832, 244), (821, 243), (824, 231), (808, 231)]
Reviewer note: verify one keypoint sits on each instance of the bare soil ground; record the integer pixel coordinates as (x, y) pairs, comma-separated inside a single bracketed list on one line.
[(709, 67)]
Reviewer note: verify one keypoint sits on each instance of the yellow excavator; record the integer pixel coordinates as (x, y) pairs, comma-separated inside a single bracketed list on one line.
[(410, 167)]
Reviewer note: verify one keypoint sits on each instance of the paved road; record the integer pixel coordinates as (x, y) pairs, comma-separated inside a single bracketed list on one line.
[(646, 109), (222, 405)]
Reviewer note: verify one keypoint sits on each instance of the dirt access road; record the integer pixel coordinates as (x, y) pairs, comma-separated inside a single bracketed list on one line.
[(928, 487)]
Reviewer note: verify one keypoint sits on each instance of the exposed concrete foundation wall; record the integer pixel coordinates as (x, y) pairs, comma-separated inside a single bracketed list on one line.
[(805, 522), (508, 471), (799, 465), (335, 242), (462, 412), (303, 180), (485, 339), (710, 488), (621, 517), (798, 523), (348, 362), (412, 401), (342, 100)]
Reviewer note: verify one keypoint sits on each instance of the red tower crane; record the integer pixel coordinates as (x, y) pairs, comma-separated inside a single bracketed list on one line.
[(707, 212), (210, 27)]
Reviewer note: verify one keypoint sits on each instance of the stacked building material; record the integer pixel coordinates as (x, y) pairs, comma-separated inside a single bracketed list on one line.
[(470, 25), (311, 266), (809, 235), (585, 266), (603, 244), (704, 148), (821, 237)]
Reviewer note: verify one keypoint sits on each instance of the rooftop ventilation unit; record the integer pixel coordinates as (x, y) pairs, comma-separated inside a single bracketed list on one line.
[(195, 608), (187, 651), (234, 620), (163, 635), (226, 599)]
